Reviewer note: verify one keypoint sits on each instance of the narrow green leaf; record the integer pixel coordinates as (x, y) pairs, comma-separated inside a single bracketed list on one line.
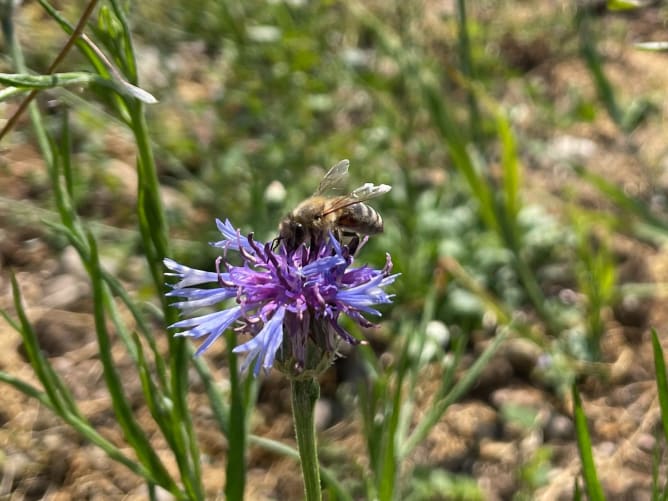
[(577, 493), (128, 53), (467, 68), (10, 92), (592, 485), (387, 477), (21, 80), (59, 395), (219, 407), (594, 62), (511, 170), (661, 383), (48, 81)]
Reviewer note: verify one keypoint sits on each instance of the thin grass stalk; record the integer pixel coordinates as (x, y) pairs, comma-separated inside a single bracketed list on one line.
[(592, 485), (58, 399), (466, 65), (59, 395), (661, 382), (387, 480), (594, 63), (153, 230)]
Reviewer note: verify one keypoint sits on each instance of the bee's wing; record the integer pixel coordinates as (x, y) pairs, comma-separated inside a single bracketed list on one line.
[(333, 177), (369, 190), (365, 192)]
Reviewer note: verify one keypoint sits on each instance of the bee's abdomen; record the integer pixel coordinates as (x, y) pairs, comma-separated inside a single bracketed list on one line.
[(361, 218)]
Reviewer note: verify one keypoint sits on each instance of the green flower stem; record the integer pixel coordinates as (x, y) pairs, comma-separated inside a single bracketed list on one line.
[(305, 393)]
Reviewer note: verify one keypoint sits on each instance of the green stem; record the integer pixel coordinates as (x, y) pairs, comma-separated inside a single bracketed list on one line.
[(305, 393)]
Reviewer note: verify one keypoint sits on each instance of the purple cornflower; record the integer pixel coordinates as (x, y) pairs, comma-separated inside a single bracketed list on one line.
[(282, 299)]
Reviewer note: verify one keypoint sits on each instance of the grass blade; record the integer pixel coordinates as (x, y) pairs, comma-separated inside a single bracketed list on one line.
[(592, 485), (661, 383)]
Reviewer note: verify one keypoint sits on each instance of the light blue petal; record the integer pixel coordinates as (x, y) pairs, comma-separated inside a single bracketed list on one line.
[(234, 314), (322, 265), (262, 348), (205, 324), (189, 276), (232, 239), (215, 297), (361, 297)]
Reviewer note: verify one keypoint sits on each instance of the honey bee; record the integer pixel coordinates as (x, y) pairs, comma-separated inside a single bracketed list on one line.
[(345, 216)]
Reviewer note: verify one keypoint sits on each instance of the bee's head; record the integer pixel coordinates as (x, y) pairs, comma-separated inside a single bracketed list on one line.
[(292, 232)]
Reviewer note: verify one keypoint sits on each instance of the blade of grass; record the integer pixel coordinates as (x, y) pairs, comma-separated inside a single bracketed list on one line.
[(577, 493), (592, 485), (511, 172), (60, 397), (55, 80), (466, 65), (661, 382), (593, 61)]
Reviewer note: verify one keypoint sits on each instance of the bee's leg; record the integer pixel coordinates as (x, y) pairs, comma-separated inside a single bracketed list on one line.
[(352, 242)]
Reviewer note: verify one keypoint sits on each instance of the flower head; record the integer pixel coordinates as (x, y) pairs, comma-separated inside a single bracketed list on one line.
[(282, 299)]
